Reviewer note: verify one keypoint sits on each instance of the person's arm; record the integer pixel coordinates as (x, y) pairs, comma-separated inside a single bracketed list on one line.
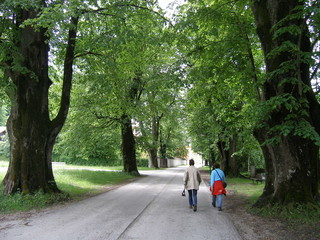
[(212, 179), (199, 177), (185, 178)]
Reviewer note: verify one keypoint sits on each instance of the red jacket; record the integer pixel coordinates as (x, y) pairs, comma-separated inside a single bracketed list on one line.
[(218, 188)]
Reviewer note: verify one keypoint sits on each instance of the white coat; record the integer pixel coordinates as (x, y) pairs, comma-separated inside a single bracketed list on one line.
[(192, 178)]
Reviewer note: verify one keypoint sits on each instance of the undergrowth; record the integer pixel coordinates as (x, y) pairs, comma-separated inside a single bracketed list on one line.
[(19, 202), (293, 213)]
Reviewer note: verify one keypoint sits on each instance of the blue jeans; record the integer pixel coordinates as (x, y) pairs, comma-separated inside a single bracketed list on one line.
[(192, 197), (219, 199)]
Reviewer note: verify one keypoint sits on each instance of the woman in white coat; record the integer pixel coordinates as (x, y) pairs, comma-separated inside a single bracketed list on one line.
[(192, 180)]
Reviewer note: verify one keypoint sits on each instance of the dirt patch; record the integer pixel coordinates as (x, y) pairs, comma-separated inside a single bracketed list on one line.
[(254, 227)]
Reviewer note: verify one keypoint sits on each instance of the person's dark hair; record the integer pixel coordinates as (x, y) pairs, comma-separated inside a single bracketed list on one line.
[(191, 162), (216, 165)]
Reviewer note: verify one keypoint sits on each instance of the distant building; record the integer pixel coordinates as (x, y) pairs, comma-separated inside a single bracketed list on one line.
[(198, 162)]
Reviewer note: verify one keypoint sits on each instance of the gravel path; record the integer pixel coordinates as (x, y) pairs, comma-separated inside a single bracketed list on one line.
[(150, 208)]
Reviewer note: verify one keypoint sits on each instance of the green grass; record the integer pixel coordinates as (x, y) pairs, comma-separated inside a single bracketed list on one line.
[(75, 184), (4, 163), (246, 188), (79, 182), (307, 213), (294, 214)]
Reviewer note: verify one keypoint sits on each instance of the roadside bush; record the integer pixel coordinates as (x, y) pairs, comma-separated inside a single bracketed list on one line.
[(142, 162), (87, 161)]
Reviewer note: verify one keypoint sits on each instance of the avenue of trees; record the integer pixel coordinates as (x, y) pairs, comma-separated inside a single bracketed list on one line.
[(107, 82)]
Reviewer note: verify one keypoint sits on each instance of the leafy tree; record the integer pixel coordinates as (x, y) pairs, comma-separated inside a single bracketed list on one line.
[(224, 70), (30, 28), (159, 103), (119, 69), (289, 130), (25, 60), (85, 139)]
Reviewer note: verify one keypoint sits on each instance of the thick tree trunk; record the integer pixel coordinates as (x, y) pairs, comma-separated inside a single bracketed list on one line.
[(29, 169), (153, 151), (292, 162), (31, 133), (233, 164), (163, 147), (153, 158), (29, 125), (268, 153), (229, 163), (289, 173), (128, 146)]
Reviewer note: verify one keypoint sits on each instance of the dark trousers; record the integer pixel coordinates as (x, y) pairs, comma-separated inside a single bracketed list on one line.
[(192, 197)]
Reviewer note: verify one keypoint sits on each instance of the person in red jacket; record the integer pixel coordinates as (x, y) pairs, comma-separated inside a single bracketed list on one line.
[(216, 185)]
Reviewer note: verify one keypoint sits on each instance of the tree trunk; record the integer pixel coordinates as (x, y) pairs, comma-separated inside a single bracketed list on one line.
[(153, 151), (31, 133), (233, 168), (292, 160), (163, 147), (128, 146), (229, 163), (224, 155), (153, 158), (267, 150)]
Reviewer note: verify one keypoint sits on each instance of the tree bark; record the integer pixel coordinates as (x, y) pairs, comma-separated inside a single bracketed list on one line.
[(31, 133), (153, 157), (292, 164), (128, 146), (229, 163), (153, 151), (163, 146), (224, 155), (128, 141), (233, 164)]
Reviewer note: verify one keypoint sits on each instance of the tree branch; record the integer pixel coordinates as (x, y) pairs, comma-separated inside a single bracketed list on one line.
[(100, 116), (58, 122), (87, 53), (99, 10), (315, 71)]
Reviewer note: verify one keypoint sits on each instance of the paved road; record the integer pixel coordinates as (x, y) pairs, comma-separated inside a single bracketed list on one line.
[(149, 208)]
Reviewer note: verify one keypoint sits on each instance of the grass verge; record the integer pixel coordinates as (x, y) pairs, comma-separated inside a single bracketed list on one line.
[(74, 183), (246, 188), (293, 214)]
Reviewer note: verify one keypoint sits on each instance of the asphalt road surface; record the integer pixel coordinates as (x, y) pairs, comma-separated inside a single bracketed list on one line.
[(149, 208)]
